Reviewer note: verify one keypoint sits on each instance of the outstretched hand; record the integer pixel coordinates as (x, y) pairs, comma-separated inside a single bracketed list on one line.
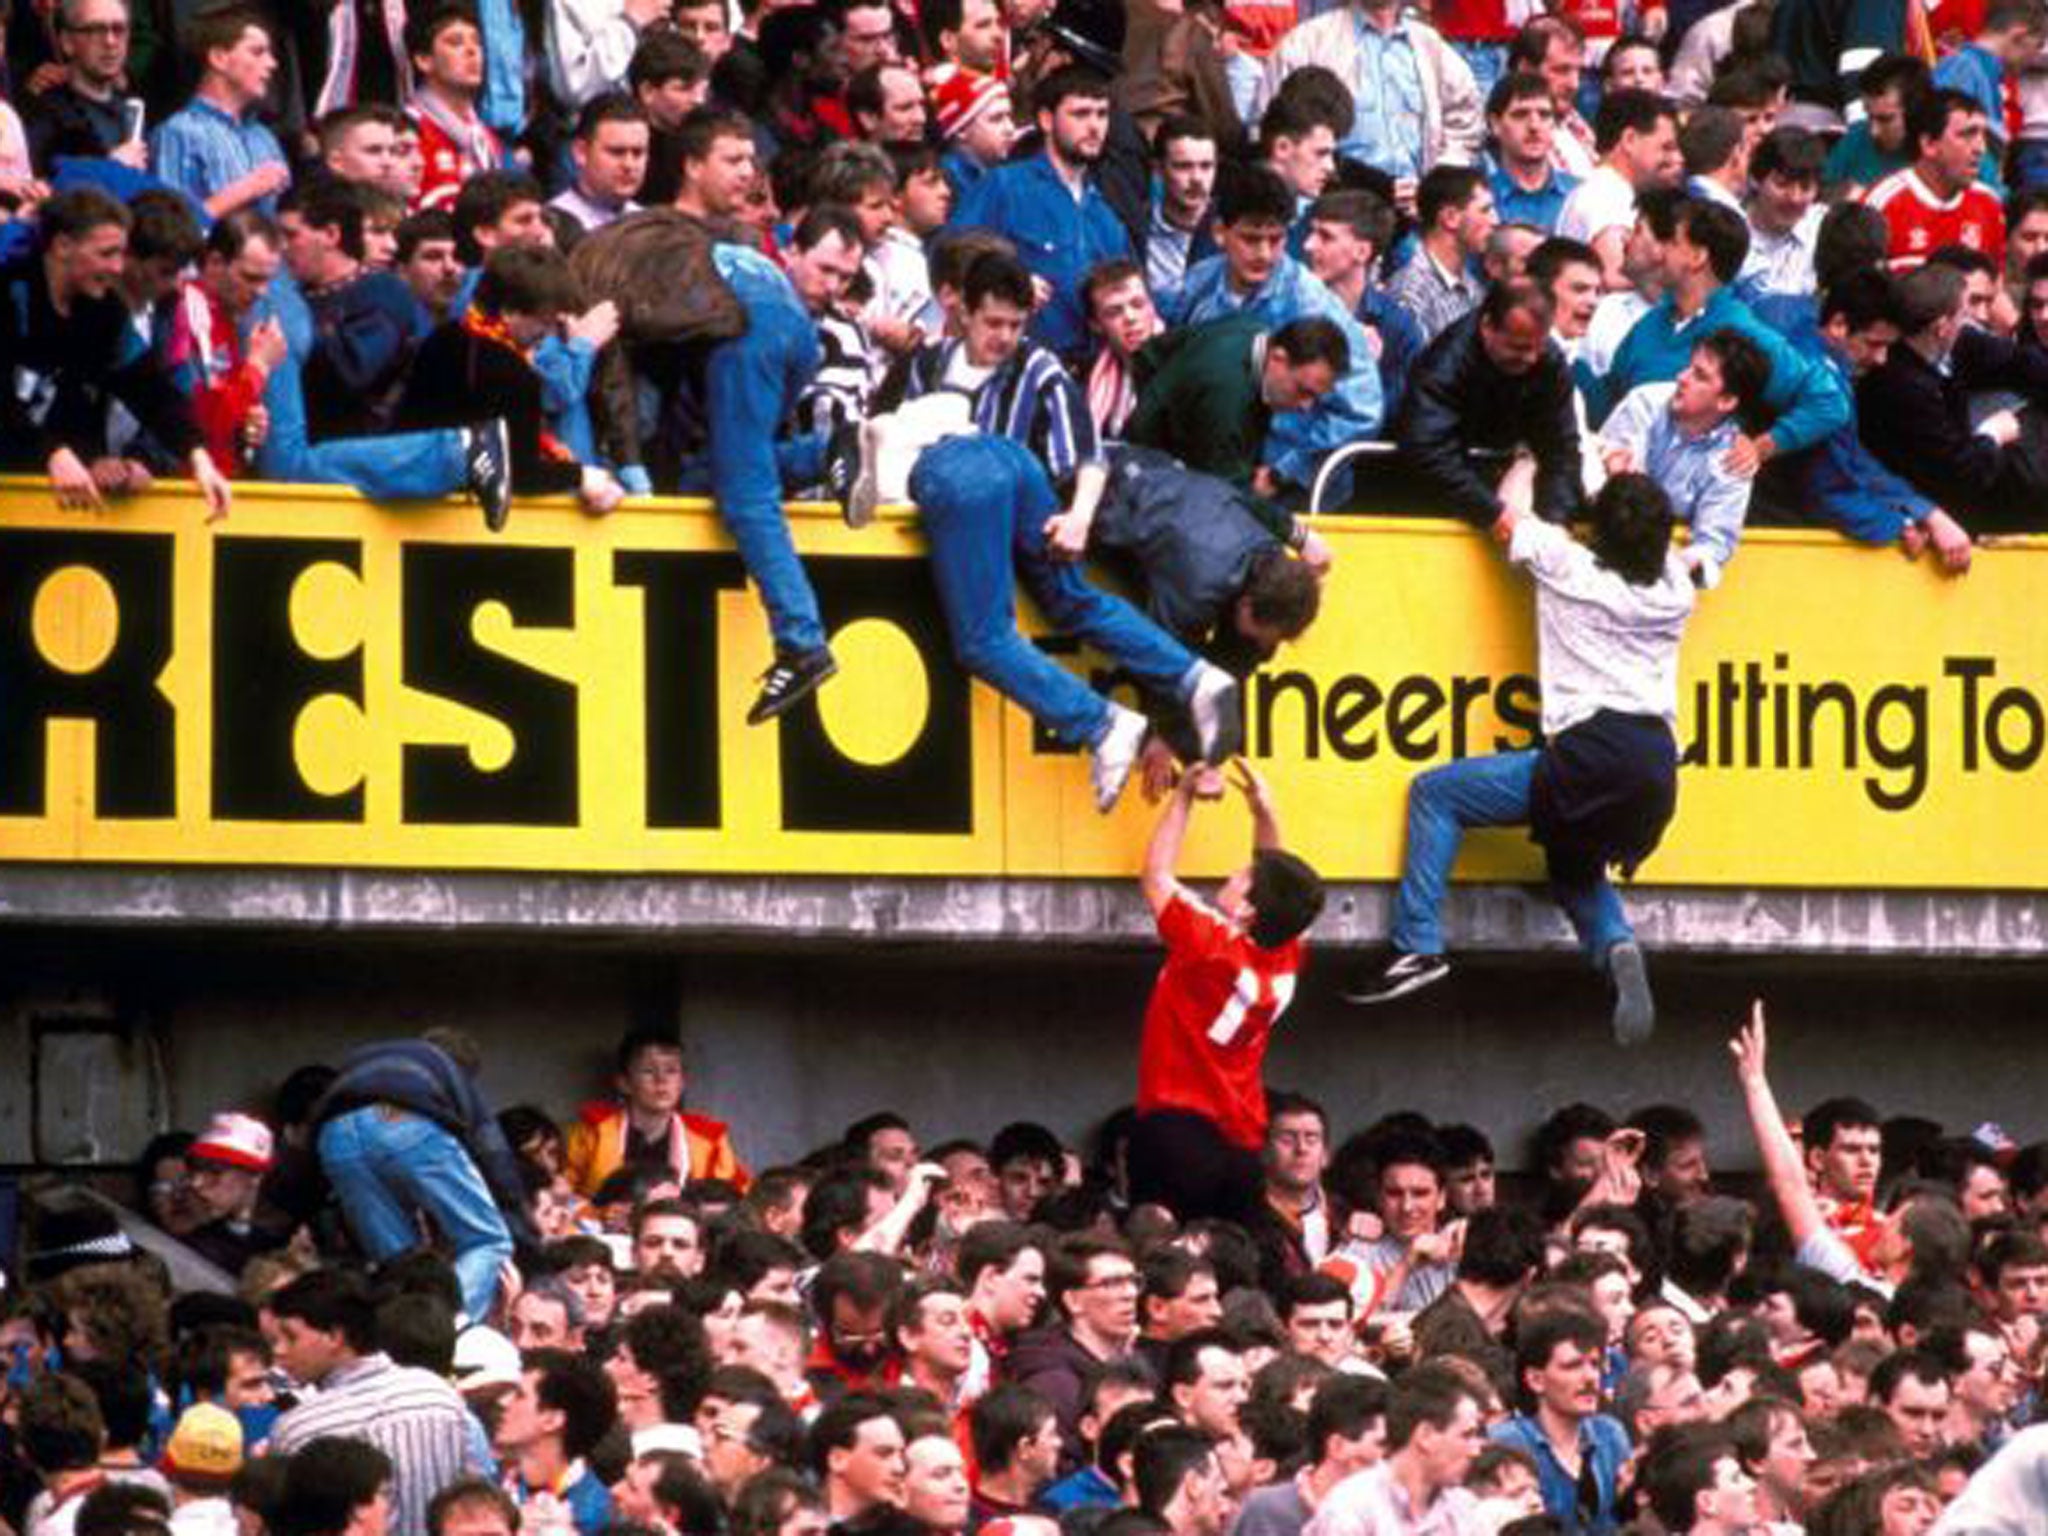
[(1750, 1045)]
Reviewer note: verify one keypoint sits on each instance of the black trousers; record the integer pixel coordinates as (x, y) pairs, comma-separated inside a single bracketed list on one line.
[(1179, 1159)]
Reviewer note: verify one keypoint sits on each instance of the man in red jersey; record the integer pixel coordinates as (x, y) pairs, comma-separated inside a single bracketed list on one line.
[(1230, 972)]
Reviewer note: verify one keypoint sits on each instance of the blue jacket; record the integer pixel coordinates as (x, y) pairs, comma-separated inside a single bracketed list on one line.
[(1057, 238), (1298, 440), (1806, 398), (1603, 1446)]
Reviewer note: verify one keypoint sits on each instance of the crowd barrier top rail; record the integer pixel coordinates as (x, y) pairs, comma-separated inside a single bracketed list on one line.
[(320, 681)]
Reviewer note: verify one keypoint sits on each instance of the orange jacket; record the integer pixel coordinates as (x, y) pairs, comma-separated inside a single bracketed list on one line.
[(596, 1147)]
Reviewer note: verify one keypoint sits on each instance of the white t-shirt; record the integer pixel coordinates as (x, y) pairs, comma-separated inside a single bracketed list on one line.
[(1603, 201)]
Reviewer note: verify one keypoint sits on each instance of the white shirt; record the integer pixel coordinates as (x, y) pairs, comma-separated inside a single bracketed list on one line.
[(1613, 318), (1603, 201), (1784, 263), (1602, 642)]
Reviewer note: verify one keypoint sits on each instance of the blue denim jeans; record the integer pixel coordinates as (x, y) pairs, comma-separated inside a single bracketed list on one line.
[(984, 501), (799, 461), (389, 1167), (402, 466), (750, 385), (1484, 792)]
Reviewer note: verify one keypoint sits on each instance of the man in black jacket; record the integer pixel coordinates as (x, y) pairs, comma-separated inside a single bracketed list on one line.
[(405, 1132), (1914, 409), (67, 348), (1494, 381)]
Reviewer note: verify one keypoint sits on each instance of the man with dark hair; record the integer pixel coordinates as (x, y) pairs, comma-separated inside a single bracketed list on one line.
[(1695, 1482), (1209, 394), (1802, 401), (1348, 232), (1179, 1481), (1785, 212), (1295, 1157), (61, 1435), (1230, 973), (340, 1486), (1408, 1265), (1682, 435), (215, 151), (1051, 206), (1674, 1162), (1603, 786), (1254, 277), (445, 43), (1636, 137), (1578, 1450), (1028, 1162), (1502, 1251), (853, 1297), (1938, 200), (1523, 173), (1915, 412), (609, 150), (670, 76), (1434, 1429), (658, 1366), (1016, 1452), (1877, 144), (554, 1418), (1493, 382), (1298, 141), (855, 1452), (1913, 1387), (355, 362), (326, 1338), (1094, 1285), (1347, 1434), (68, 343), (1182, 230), (1316, 1311), (1454, 208), (1002, 1265), (1179, 1297), (1710, 1241)]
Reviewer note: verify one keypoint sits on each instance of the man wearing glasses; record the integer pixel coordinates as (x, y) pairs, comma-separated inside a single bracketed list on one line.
[(88, 115), (1094, 1283)]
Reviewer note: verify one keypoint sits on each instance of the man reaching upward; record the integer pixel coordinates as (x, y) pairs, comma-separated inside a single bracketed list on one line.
[(1230, 973)]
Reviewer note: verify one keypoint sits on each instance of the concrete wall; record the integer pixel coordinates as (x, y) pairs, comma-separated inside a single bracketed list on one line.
[(791, 1042)]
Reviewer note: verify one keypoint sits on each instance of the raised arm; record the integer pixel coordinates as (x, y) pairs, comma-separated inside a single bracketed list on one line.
[(1159, 882), (1782, 1167), (1258, 799)]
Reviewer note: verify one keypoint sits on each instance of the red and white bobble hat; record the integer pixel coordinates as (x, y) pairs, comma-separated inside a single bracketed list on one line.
[(960, 95), (240, 1141)]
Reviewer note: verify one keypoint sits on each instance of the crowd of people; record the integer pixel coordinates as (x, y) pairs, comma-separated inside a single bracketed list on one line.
[(1128, 279), (1232, 1317)]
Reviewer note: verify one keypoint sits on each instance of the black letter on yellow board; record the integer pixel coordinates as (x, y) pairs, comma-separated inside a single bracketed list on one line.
[(680, 643), (262, 679), (445, 584), (134, 727)]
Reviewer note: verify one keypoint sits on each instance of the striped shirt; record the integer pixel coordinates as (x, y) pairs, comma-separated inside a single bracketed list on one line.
[(1031, 399), (203, 150), (411, 1415)]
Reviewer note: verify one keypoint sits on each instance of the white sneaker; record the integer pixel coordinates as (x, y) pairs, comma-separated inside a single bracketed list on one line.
[(1116, 755), (1216, 705)]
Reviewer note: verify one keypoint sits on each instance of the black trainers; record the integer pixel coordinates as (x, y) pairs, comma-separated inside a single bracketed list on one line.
[(850, 473), (489, 462), (1635, 1012), (789, 682), (1395, 975)]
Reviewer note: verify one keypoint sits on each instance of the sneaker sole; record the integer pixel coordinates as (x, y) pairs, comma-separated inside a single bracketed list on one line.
[(1399, 989), (866, 494), (1229, 739), (1635, 1012), (801, 691)]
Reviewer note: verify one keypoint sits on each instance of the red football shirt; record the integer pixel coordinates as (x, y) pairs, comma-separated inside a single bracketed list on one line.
[(1922, 223), (1211, 1013)]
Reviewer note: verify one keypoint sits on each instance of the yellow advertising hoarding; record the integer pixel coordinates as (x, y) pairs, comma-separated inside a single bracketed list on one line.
[(319, 681)]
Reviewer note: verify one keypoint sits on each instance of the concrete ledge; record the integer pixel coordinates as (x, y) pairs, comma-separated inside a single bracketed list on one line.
[(1098, 914)]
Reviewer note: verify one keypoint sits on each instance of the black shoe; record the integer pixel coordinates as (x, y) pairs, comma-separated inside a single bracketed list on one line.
[(850, 474), (489, 462), (1395, 976), (789, 682), (1635, 1012)]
